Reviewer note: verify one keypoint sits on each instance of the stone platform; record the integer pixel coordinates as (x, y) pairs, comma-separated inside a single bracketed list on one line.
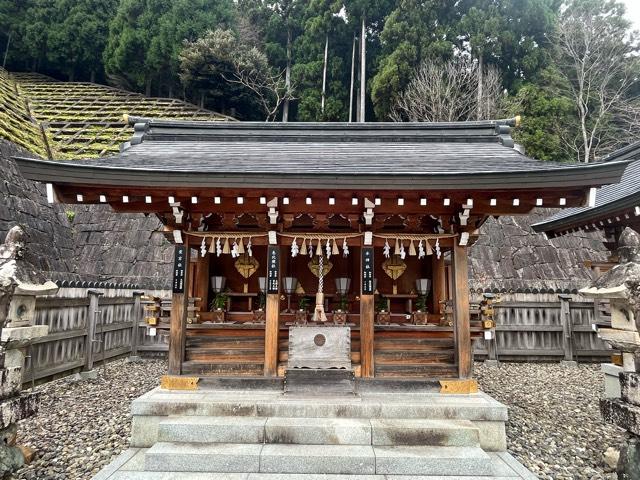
[(260, 432)]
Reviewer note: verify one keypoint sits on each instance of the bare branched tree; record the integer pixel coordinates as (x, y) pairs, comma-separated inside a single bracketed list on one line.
[(253, 72), (448, 92), (597, 58)]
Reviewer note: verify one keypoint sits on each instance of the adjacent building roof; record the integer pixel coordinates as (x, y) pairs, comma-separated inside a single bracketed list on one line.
[(470, 155), (615, 204)]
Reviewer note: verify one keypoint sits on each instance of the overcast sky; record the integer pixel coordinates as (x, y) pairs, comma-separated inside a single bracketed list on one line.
[(633, 12)]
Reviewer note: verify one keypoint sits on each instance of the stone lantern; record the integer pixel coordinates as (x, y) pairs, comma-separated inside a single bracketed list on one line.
[(20, 283), (621, 286)]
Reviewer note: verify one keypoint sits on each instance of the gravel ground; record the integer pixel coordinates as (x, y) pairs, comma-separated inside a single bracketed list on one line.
[(554, 429), (81, 427)]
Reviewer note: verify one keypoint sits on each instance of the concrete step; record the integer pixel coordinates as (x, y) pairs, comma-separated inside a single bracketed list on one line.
[(321, 459), (435, 433), (415, 460), (194, 429), (316, 459), (203, 457), (318, 431)]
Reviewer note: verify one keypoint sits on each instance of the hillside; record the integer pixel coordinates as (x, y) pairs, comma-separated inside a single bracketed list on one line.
[(69, 120)]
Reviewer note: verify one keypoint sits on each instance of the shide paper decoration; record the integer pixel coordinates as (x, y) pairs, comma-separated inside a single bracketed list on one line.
[(322, 244), (424, 245), (235, 244)]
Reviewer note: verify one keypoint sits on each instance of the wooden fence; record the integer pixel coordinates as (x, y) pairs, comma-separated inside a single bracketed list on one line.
[(545, 327), (88, 326), (91, 325)]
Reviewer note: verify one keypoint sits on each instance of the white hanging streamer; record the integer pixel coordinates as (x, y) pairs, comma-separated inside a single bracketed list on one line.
[(438, 252), (294, 248), (345, 249), (310, 249), (327, 248), (402, 252), (386, 251), (218, 247), (421, 252), (234, 249), (203, 247), (249, 251)]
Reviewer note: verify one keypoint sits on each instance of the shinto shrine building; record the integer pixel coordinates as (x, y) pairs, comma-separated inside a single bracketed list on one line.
[(364, 227)]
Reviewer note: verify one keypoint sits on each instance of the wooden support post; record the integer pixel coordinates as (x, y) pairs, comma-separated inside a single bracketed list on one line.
[(272, 312), (367, 314), (179, 303), (137, 316), (567, 327), (461, 315), (202, 282), (439, 282), (92, 320)]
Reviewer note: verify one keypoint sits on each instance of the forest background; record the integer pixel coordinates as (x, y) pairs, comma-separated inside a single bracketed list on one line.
[(569, 68)]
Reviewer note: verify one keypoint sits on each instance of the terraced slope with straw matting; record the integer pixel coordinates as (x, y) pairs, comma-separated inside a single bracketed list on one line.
[(79, 120), (16, 123)]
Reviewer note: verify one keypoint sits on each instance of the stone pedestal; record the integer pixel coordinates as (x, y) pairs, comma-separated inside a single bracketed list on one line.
[(611, 380), (20, 283), (621, 286)]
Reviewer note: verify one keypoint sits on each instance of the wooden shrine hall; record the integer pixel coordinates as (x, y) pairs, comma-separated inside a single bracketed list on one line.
[(282, 229)]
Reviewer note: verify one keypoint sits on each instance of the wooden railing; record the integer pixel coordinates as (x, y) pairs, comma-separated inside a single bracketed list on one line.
[(529, 327), (88, 326), (546, 327)]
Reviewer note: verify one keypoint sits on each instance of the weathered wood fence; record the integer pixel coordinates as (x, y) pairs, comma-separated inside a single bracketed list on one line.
[(95, 322), (545, 327), (88, 326)]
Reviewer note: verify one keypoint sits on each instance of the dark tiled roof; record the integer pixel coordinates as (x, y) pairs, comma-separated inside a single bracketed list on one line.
[(476, 155), (609, 199)]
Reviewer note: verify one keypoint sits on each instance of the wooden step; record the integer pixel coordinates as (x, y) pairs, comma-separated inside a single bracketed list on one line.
[(432, 371), (220, 369)]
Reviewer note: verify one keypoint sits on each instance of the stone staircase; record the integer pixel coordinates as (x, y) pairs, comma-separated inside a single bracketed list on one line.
[(348, 446), (265, 434)]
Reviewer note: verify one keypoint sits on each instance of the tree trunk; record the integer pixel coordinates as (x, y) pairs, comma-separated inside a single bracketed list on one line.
[(324, 73), (287, 78), (363, 69), (6, 51), (480, 85), (92, 78), (147, 87), (353, 70)]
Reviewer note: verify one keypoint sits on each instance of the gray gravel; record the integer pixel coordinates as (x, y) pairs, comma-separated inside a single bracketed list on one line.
[(554, 429), (81, 427)]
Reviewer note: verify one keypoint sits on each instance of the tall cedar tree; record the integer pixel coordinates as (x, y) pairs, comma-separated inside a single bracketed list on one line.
[(146, 37)]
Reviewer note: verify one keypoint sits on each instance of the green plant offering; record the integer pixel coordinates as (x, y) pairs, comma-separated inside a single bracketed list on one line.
[(421, 303), (303, 303), (219, 302), (262, 300), (381, 304), (343, 303)]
